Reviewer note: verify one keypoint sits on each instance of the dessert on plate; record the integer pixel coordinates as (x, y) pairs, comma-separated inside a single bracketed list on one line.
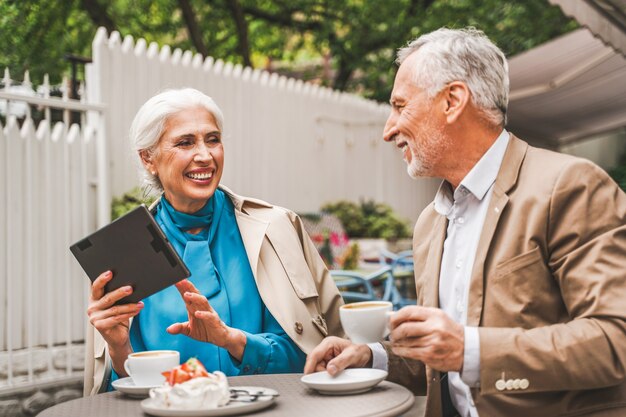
[(190, 386)]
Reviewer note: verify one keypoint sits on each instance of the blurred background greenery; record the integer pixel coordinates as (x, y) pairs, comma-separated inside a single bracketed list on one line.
[(345, 44), (130, 200), (619, 173), (368, 219)]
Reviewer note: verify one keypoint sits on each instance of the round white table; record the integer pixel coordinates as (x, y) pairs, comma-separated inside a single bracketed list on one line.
[(386, 399)]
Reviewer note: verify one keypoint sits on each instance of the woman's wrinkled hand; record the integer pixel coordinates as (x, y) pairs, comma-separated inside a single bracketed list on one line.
[(111, 321), (204, 324)]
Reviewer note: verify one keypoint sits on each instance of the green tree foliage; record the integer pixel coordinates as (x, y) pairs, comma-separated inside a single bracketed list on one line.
[(36, 34), (345, 44), (368, 219)]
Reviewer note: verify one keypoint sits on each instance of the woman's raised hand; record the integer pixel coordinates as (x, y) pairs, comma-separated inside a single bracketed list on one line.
[(112, 322), (204, 324)]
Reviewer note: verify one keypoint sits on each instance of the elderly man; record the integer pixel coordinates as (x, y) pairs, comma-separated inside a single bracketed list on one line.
[(520, 262)]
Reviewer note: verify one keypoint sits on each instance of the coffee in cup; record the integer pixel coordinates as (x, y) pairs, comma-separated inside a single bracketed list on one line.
[(145, 368), (366, 321)]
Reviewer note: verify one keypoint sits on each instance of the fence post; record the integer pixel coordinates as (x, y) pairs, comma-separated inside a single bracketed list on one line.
[(100, 71)]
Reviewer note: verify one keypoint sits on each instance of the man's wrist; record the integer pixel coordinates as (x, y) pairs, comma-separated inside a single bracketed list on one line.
[(367, 354), (462, 354)]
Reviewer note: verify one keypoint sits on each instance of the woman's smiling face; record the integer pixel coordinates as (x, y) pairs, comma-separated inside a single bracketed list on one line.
[(188, 159)]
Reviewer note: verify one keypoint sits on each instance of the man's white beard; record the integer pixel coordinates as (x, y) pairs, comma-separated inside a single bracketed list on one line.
[(433, 144), (415, 167)]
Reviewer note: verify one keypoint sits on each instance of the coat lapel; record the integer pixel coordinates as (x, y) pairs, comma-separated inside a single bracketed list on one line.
[(252, 233), (506, 179), (252, 230), (433, 263)]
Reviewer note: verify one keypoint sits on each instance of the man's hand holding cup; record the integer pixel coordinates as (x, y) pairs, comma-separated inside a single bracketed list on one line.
[(423, 333), (364, 322), (427, 334)]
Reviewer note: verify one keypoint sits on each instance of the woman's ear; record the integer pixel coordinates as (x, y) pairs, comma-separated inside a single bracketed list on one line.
[(146, 160), (457, 96)]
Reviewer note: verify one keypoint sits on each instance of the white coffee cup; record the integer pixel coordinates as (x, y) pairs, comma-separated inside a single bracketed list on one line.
[(366, 321), (145, 367)]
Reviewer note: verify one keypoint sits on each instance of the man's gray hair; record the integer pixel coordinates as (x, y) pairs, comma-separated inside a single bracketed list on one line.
[(465, 55), (149, 123)]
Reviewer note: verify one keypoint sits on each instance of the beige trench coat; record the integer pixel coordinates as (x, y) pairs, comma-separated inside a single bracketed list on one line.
[(291, 278)]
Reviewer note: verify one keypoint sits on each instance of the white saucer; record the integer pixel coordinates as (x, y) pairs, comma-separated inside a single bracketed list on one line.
[(232, 408), (128, 387), (350, 381)]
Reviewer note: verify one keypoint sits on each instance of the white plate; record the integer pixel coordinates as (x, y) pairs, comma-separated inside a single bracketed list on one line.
[(128, 387), (350, 381), (232, 408)]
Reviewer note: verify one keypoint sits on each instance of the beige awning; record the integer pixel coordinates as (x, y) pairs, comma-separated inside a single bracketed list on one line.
[(605, 18), (568, 89)]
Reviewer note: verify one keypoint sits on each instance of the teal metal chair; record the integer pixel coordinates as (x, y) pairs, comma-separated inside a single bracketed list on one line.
[(353, 286), (401, 263), (356, 286), (378, 285)]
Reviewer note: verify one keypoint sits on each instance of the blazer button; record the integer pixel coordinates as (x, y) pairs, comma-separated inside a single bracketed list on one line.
[(500, 385), (524, 383), (298, 327), (509, 384), (516, 384)]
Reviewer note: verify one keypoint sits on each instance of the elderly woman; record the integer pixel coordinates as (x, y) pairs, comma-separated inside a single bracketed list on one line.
[(259, 297)]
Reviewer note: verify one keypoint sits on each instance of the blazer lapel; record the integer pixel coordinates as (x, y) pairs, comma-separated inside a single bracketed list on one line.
[(477, 283), (506, 179), (432, 267)]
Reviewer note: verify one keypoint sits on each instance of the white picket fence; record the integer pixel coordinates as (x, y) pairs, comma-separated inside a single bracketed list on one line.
[(291, 143), (48, 200)]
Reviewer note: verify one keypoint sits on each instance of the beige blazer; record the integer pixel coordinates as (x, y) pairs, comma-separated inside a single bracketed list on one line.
[(548, 291), (291, 277)]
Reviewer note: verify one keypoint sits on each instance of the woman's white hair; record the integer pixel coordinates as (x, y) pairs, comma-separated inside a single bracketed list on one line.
[(149, 124), (465, 55)]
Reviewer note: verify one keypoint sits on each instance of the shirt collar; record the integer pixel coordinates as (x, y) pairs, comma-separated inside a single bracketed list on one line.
[(484, 173), (478, 181), (444, 199)]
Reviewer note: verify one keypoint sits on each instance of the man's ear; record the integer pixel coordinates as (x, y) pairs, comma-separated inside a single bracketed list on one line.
[(457, 96), (146, 160)]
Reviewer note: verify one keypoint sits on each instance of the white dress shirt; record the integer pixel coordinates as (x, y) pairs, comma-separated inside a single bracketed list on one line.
[(466, 209)]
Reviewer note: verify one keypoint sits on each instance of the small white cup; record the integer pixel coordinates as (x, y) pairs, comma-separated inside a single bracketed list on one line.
[(366, 321), (145, 367)]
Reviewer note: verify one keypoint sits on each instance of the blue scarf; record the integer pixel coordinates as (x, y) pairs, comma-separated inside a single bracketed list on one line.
[(195, 249), (220, 270)]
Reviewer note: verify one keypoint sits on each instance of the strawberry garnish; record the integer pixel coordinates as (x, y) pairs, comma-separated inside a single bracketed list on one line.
[(193, 368)]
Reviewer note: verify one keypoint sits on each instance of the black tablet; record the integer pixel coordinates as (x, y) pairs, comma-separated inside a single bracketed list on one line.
[(135, 249)]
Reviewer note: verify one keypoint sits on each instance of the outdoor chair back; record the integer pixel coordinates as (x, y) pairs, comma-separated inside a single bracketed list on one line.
[(380, 285)]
